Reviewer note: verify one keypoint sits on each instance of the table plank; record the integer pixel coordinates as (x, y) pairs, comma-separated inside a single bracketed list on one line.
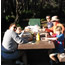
[(37, 45)]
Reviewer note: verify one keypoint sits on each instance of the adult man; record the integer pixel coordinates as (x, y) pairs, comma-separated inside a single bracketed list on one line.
[(10, 43)]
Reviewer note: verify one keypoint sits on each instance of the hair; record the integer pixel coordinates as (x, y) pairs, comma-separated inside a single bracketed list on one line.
[(12, 24), (47, 17), (59, 28), (19, 27)]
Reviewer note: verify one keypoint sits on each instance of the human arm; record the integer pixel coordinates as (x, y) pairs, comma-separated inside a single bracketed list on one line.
[(58, 37), (21, 33), (63, 29), (55, 38), (18, 39), (49, 30)]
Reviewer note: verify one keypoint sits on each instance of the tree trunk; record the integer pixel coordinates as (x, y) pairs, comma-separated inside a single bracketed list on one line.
[(17, 16)]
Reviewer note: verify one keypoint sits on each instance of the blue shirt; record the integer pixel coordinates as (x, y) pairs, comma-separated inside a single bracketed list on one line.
[(50, 24), (59, 43)]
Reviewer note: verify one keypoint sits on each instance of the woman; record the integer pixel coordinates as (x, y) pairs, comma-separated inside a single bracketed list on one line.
[(56, 23)]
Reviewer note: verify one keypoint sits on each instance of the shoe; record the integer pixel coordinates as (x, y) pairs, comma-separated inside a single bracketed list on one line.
[(56, 62), (19, 62), (51, 62)]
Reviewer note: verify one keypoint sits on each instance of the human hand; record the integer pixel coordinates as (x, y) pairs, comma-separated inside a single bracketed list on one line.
[(46, 39), (43, 29)]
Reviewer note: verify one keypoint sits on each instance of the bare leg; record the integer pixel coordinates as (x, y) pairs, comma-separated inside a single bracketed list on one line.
[(52, 57)]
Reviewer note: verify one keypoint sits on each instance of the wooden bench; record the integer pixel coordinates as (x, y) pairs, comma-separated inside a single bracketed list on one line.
[(61, 57)]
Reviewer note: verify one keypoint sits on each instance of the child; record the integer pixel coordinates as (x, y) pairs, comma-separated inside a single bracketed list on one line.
[(49, 23), (58, 42), (18, 30)]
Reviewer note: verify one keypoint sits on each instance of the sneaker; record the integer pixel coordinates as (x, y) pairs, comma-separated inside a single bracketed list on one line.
[(51, 62), (56, 62), (19, 62)]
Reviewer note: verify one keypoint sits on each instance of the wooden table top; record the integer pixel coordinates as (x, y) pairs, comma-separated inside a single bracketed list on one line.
[(37, 45)]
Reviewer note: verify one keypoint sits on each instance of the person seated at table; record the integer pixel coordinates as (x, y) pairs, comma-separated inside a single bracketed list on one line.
[(10, 44), (24, 33), (18, 30), (49, 23), (56, 23), (59, 43)]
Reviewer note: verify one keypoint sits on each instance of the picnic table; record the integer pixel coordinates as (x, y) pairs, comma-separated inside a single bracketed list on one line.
[(37, 45)]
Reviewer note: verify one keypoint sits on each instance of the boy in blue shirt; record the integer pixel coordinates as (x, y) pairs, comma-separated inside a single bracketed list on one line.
[(58, 43)]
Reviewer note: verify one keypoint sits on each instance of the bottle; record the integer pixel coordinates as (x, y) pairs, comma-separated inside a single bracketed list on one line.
[(38, 37)]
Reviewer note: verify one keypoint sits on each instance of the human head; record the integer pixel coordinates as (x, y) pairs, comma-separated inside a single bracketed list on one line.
[(13, 26), (27, 29), (58, 30), (18, 30), (55, 19), (48, 18)]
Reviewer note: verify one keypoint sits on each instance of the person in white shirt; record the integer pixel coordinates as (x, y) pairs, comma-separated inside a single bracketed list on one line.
[(10, 43)]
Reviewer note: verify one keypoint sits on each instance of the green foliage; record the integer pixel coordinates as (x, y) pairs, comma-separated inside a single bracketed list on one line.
[(42, 19), (33, 8), (20, 26), (26, 11), (9, 17)]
